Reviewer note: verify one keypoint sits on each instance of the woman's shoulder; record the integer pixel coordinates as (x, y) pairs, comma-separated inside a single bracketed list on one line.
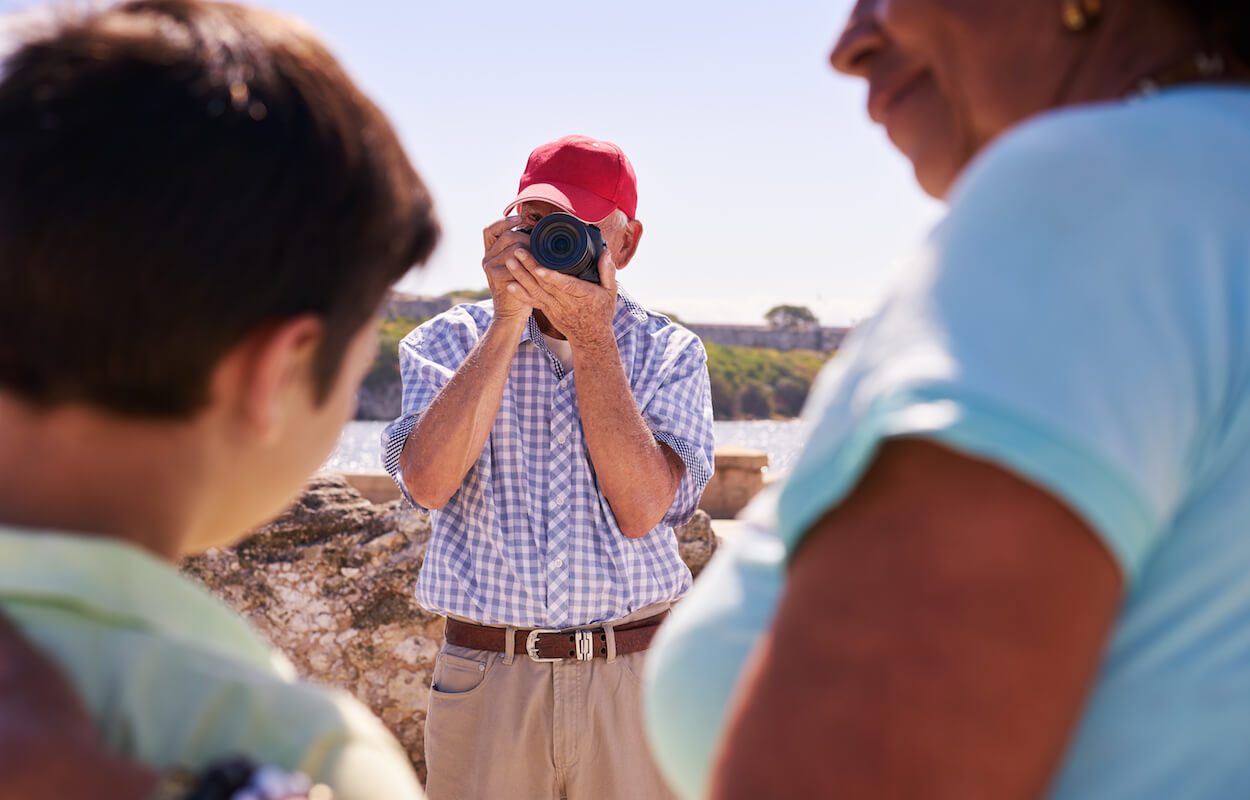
[(1161, 142)]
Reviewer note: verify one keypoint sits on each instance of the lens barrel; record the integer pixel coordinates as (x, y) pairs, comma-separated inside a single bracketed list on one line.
[(564, 243)]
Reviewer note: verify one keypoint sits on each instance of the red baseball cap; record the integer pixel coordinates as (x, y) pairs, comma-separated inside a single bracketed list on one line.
[(586, 177)]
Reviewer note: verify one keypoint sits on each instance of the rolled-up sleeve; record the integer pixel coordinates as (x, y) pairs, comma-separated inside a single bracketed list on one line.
[(679, 414), (428, 358)]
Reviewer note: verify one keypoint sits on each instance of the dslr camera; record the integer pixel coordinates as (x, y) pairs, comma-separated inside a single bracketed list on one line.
[(563, 243)]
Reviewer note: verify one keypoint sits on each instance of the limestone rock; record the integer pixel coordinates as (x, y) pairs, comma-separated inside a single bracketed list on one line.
[(696, 542), (381, 396), (330, 584)]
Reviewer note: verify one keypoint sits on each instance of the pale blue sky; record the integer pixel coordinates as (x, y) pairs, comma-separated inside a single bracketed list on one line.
[(761, 180)]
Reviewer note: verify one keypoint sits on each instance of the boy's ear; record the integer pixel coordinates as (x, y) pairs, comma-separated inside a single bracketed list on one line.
[(265, 372)]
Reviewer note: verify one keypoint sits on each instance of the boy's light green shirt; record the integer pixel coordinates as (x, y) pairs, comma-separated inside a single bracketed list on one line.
[(174, 678)]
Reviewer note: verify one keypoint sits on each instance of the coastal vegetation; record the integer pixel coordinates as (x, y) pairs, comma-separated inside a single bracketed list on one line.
[(755, 383), (381, 391)]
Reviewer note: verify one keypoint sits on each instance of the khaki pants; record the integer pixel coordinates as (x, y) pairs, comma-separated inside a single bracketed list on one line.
[(510, 727)]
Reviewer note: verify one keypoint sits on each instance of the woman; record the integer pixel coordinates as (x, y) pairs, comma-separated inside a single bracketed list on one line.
[(1013, 559)]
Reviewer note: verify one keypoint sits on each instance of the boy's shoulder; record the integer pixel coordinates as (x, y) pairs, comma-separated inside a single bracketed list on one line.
[(175, 678)]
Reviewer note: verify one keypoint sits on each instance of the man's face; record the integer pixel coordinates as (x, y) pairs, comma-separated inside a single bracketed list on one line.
[(614, 226)]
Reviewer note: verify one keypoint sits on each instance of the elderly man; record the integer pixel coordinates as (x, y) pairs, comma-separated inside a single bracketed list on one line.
[(557, 432)]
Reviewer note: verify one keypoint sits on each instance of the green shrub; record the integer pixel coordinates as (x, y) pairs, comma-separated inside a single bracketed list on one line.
[(755, 383), (391, 332), (755, 401)]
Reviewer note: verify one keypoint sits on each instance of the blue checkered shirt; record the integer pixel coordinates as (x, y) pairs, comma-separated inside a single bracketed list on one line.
[(529, 540)]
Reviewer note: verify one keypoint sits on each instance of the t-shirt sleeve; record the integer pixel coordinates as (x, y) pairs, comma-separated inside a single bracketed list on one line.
[(363, 760), (1057, 324), (679, 414), (428, 358)]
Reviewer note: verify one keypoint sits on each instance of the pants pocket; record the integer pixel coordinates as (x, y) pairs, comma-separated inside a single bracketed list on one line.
[(459, 673)]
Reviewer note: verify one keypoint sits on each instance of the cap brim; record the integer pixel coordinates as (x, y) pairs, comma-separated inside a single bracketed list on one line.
[(586, 206)]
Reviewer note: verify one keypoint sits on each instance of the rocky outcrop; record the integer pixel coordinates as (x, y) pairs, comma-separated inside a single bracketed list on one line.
[(381, 397), (696, 542), (330, 584)]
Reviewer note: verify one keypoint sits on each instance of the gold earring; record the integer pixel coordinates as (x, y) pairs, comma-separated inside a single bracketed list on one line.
[(1078, 15)]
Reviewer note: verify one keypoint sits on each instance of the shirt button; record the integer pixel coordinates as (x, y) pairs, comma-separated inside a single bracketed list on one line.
[(559, 499), (557, 563), (564, 383), (562, 438)]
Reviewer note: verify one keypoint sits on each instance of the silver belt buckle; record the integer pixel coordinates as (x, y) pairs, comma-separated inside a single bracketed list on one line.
[(531, 644), (583, 644)]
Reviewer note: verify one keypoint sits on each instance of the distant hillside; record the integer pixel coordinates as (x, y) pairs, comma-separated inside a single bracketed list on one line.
[(382, 392)]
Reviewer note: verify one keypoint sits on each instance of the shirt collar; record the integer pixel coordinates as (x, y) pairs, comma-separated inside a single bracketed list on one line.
[(629, 314), (120, 585)]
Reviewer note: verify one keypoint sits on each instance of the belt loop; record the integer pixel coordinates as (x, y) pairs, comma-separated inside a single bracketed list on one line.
[(509, 646), (610, 634)]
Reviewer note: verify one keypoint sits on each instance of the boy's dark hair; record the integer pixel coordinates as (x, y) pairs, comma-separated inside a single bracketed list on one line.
[(175, 174)]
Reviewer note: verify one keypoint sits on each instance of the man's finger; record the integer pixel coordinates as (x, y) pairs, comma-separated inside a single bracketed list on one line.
[(518, 291), (492, 231), (507, 241), (607, 271), (549, 279), (521, 266)]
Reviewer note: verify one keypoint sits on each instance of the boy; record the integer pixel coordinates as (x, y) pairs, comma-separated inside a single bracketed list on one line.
[(199, 215)]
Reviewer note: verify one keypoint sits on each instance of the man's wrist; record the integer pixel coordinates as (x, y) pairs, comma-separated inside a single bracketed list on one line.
[(508, 325), (598, 344)]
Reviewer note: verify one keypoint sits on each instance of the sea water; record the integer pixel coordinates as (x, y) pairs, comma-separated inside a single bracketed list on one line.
[(358, 449)]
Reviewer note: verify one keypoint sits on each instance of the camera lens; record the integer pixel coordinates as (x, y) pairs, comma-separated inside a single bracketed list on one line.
[(564, 243), (560, 244)]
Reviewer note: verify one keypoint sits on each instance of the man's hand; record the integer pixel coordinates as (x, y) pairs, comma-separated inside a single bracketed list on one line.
[(579, 309), (501, 241), (48, 743)]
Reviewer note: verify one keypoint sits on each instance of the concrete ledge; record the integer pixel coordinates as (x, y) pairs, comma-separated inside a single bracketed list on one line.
[(377, 487), (739, 475), (729, 457), (727, 528)]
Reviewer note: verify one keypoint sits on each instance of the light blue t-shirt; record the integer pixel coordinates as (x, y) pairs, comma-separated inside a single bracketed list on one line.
[(1082, 318)]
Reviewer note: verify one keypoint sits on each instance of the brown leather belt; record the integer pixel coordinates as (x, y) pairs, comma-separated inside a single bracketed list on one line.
[(546, 644)]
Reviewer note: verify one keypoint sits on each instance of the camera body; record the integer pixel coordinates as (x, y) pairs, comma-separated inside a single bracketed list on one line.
[(563, 243)]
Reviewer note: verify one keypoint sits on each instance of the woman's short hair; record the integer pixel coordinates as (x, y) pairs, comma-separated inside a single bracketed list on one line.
[(174, 175)]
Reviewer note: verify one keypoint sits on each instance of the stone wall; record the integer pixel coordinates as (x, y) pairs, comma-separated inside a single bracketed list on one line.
[(738, 477), (824, 340), (380, 399), (399, 304), (330, 583)]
